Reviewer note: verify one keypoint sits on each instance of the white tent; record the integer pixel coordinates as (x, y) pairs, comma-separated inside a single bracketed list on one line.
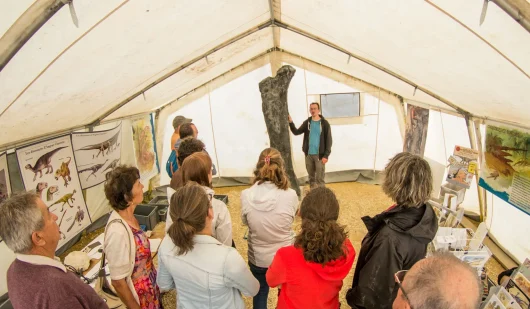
[(87, 65)]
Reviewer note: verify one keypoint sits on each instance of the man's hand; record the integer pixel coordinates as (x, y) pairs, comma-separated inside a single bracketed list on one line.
[(324, 160), (290, 119)]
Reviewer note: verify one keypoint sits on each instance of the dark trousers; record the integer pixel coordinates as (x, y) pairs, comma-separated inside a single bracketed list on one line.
[(260, 300)]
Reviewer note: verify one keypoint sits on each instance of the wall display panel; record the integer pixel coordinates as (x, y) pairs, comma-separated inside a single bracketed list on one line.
[(506, 168), (5, 183), (238, 123), (96, 153), (49, 168), (97, 202), (145, 147)]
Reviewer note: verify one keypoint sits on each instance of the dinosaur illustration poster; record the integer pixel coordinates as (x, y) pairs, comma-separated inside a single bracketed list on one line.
[(5, 184), (145, 147), (96, 153), (49, 168), (506, 168)]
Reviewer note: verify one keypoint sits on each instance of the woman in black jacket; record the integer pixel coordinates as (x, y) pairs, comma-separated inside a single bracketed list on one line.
[(398, 237)]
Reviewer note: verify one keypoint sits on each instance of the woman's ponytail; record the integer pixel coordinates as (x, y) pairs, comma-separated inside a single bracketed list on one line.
[(188, 209), (270, 167)]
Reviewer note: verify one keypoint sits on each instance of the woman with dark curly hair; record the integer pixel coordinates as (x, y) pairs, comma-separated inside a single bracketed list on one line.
[(268, 208), (398, 237), (310, 272), (126, 246)]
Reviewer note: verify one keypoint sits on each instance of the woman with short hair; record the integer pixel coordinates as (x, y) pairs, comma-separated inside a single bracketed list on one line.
[(268, 208), (126, 245), (198, 168), (205, 273), (398, 237), (310, 272)]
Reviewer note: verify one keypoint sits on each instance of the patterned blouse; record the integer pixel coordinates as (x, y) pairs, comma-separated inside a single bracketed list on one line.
[(144, 273)]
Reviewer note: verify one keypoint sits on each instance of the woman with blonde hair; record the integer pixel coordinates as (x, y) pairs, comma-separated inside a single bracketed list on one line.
[(398, 237), (198, 168), (268, 208), (205, 273), (310, 272)]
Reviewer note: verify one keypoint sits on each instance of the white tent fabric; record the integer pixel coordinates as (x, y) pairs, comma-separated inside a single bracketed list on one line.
[(204, 59)]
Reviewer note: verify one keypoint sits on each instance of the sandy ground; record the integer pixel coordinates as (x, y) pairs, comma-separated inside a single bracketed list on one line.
[(356, 200)]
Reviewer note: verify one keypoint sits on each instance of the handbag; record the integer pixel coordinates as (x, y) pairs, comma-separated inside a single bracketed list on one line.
[(103, 288)]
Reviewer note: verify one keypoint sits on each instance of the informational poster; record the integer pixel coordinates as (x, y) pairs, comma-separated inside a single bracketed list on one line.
[(145, 147), (96, 153), (506, 168), (49, 168), (5, 183), (416, 130), (462, 166)]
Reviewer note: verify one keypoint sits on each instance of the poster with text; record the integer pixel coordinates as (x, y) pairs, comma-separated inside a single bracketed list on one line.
[(49, 168), (5, 184), (96, 153), (462, 166), (145, 147), (506, 168)]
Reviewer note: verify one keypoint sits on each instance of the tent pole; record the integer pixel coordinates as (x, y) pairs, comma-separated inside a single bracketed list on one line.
[(475, 146), (515, 12), (26, 26), (480, 144)]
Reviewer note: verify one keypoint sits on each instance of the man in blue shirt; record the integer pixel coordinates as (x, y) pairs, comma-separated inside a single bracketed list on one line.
[(317, 144)]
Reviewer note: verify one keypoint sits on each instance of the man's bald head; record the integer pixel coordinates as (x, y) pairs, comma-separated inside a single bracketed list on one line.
[(442, 281)]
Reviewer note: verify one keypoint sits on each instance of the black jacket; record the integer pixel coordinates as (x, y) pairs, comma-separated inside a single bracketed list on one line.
[(396, 240), (325, 136)]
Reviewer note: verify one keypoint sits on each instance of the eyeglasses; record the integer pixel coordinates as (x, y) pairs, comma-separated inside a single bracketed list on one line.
[(399, 277)]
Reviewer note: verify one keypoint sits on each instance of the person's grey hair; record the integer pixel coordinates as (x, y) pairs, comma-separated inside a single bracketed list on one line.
[(408, 180), (19, 218), (425, 288)]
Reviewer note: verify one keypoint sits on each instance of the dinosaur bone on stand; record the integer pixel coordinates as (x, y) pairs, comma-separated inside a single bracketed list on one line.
[(275, 110)]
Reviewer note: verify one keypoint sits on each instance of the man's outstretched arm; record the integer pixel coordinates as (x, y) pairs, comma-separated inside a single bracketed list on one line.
[(294, 129)]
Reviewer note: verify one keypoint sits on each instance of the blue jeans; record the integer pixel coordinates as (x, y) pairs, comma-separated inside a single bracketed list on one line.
[(260, 300)]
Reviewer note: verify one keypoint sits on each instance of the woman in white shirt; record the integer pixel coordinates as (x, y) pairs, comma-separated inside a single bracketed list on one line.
[(268, 208), (126, 246), (198, 168), (205, 273)]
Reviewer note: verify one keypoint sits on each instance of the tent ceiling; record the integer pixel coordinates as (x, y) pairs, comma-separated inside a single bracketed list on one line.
[(73, 76)]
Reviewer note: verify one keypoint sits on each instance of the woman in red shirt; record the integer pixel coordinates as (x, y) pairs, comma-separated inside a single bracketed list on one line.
[(310, 272)]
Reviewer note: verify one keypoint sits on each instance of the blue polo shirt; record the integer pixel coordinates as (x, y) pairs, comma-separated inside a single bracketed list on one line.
[(314, 137)]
